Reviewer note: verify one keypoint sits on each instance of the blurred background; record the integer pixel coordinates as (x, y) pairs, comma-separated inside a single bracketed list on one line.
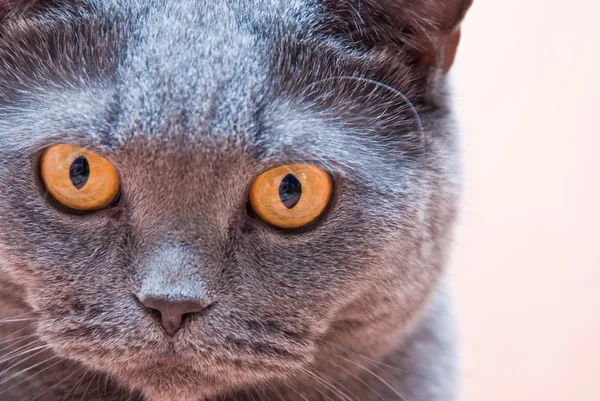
[(527, 254)]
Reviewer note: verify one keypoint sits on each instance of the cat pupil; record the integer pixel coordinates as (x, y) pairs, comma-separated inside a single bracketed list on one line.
[(79, 172), (290, 191)]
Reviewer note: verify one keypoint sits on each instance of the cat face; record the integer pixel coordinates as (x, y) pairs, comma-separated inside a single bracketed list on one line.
[(190, 104)]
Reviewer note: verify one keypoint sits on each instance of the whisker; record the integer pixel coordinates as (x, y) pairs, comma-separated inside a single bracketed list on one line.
[(397, 92), (20, 315), (17, 320), (374, 374), (295, 391), (21, 338), (75, 386), (353, 375), (315, 388), (324, 383), (60, 382), (379, 364), (249, 395), (20, 352), (98, 385), (365, 357), (105, 387), (276, 392), (15, 343), (375, 364), (14, 332), (6, 380), (30, 377), (324, 376), (19, 362), (265, 394), (130, 397), (88, 387), (328, 385)]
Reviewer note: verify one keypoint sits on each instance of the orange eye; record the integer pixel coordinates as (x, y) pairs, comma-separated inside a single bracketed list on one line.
[(79, 178), (291, 196)]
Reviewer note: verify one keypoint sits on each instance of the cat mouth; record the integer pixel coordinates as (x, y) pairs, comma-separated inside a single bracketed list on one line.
[(189, 376)]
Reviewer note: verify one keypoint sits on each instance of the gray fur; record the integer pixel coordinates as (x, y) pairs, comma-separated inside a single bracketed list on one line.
[(191, 100)]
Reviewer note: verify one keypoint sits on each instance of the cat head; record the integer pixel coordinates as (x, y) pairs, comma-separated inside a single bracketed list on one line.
[(179, 283)]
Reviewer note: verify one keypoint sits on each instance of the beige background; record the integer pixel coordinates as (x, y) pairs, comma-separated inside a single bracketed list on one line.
[(527, 255)]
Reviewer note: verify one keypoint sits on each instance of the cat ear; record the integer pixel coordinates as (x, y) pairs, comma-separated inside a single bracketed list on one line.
[(440, 35), (427, 30)]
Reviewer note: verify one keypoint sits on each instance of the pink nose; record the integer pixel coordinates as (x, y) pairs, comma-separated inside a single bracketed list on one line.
[(173, 311)]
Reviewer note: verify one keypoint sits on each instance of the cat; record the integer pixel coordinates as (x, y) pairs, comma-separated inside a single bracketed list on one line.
[(169, 270)]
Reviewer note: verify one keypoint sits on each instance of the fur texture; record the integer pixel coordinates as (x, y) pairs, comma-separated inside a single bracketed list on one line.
[(191, 100)]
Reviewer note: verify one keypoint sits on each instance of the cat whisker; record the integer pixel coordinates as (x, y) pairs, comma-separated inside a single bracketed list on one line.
[(75, 386), (273, 391), (315, 388), (249, 395), (14, 332), (22, 351), (23, 317), (390, 88), (18, 316), (379, 365), (340, 384), (295, 391), (5, 340), (98, 385), (353, 375), (105, 387), (384, 382), (265, 394), (17, 320), (8, 347), (374, 363), (88, 387), (60, 382), (130, 397), (366, 358), (25, 371), (19, 362), (328, 385)]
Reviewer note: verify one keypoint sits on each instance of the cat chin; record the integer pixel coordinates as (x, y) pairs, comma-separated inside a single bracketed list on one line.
[(163, 384), (179, 394)]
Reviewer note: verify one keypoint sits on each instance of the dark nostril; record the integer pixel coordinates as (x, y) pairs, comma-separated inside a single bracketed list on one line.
[(172, 312), (155, 312)]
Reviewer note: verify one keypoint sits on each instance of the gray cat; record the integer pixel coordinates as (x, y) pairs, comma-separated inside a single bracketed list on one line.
[(227, 199)]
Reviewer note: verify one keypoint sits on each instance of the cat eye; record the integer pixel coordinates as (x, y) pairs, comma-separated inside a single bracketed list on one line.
[(291, 196), (78, 178)]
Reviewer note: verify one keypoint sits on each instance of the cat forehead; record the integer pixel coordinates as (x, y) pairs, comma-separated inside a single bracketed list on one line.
[(179, 68), (284, 130), (201, 73)]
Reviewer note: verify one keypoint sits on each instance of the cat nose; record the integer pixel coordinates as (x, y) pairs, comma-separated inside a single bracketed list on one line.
[(173, 311)]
